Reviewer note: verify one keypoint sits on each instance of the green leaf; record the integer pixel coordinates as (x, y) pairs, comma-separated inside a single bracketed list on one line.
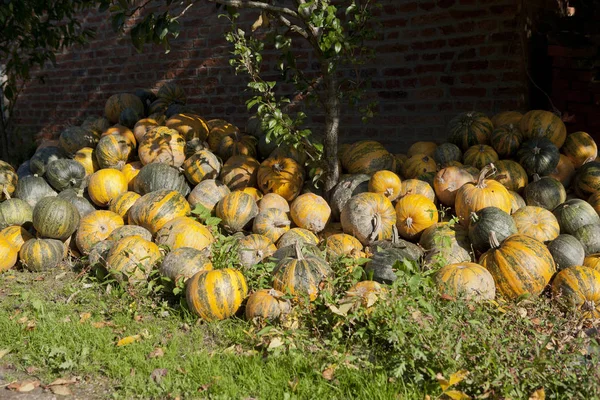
[(338, 47)]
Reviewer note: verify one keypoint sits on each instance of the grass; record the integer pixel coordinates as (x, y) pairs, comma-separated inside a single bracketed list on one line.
[(60, 324)]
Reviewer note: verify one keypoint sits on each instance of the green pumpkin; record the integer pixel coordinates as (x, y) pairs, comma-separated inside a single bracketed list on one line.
[(42, 157), (55, 218), (486, 220), (587, 179), (589, 236), (385, 255), (129, 117), (545, 192), (74, 138), (538, 156), (573, 214), (65, 174), (15, 212), (159, 176), (566, 251), (446, 153), (470, 128), (41, 254), (82, 204)]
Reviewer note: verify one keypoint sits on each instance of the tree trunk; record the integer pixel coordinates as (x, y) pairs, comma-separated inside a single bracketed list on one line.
[(332, 125), (3, 129)]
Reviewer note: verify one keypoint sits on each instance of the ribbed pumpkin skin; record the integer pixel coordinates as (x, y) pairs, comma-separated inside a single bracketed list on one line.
[(106, 184), (575, 213), (96, 125), (256, 194), (594, 201), (468, 280), (87, 158), (184, 232), (286, 150), (366, 157), (506, 140), (341, 244), (122, 203), (8, 180), (159, 176), (272, 223), (266, 304), (446, 242), (427, 148), (536, 222), (486, 220), (55, 218), (299, 235), (417, 186), (15, 212), (123, 131), (200, 166), (237, 144), (208, 193), (579, 287), (114, 151), (143, 126), (511, 174), (519, 265), (479, 156), (447, 181), (545, 192), (132, 259), (564, 171), (75, 138), (32, 189), (506, 117), (566, 251), (118, 102), (540, 123), (129, 230), (37, 163), (216, 295), (386, 183), (153, 210), (592, 261), (368, 217), (587, 180), (470, 128), (183, 263), (254, 248), (446, 153), (190, 126), (301, 275), (538, 156), (131, 171), (417, 165), (41, 254), (218, 129), (239, 172), (348, 186), (171, 93), (16, 236), (162, 145), (517, 202), (8, 254), (310, 211), (95, 227), (589, 236), (273, 200), (65, 174), (414, 214), (580, 147), (283, 176), (236, 210)]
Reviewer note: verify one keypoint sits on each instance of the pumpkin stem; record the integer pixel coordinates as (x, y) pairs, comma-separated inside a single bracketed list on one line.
[(487, 172), (474, 217), (281, 224), (588, 305), (388, 192), (277, 167), (409, 222), (494, 242), (395, 234), (260, 254), (511, 126), (376, 224), (589, 159), (5, 193), (536, 177), (299, 255), (536, 150)]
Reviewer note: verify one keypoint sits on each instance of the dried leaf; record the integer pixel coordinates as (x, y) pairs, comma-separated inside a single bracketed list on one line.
[(328, 373), (31, 370), (63, 381), (444, 384), (539, 394), (25, 386), (128, 340), (275, 342), (522, 312), (158, 374), (156, 353), (456, 395), (61, 390), (84, 317), (372, 299), (205, 387), (458, 377), (4, 352)]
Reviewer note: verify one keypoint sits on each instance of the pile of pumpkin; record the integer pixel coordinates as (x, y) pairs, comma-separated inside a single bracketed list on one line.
[(120, 190)]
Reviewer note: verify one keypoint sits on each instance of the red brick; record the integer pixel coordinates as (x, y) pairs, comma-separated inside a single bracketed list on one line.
[(467, 92)]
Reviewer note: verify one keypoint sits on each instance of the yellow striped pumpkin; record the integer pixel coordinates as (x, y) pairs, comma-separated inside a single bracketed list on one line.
[(132, 259), (129, 230), (506, 118), (511, 174), (272, 223), (417, 186), (299, 235), (207, 194), (367, 291), (8, 254), (537, 223), (587, 179), (143, 126), (87, 158), (517, 202), (447, 181), (236, 210), (190, 126), (163, 145), (414, 214), (480, 155), (386, 183), (218, 129), (95, 227), (106, 184), (426, 148), (239, 172), (118, 102), (301, 275), (366, 157), (171, 93), (368, 217), (592, 261), (282, 175), (564, 171), (254, 192), (122, 203), (114, 151), (273, 200), (153, 210), (506, 140), (216, 295), (184, 232), (131, 170), (470, 128), (580, 148), (237, 144), (42, 254), (342, 244), (200, 166), (418, 165), (541, 123), (579, 287), (310, 211), (267, 304), (254, 248), (466, 279), (16, 236)]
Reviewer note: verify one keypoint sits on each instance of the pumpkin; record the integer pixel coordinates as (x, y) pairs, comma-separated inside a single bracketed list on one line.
[(87, 158), (506, 117), (414, 214), (106, 184), (253, 249), (487, 220), (114, 151), (129, 117), (592, 261), (146, 96), (536, 222), (385, 255), (239, 172), (445, 243), (566, 251), (447, 181), (22, 171), (310, 211), (366, 157), (545, 192), (8, 180), (594, 201), (297, 235), (564, 171), (129, 230), (517, 202), (273, 200), (123, 131), (184, 232), (162, 145), (65, 174), (143, 126), (447, 153), (538, 156), (193, 146), (543, 124), (427, 177), (267, 304), (159, 176), (16, 236), (589, 236), (283, 176), (580, 148), (41, 254), (190, 126), (122, 203), (575, 213), (480, 155), (8, 254), (96, 125), (472, 197), (468, 280), (254, 192), (157, 108), (55, 218), (207, 194), (237, 144), (74, 138), (95, 227), (183, 263), (426, 148), (298, 153), (301, 275), (171, 93), (368, 217), (470, 128), (153, 210), (37, 163), (348, 186), (118, 102), (272, 223), (520, 265), (511, 174), (83, 206), (132, 258), (131, 171), (32, 189), (506, 140), (201, 165), (386, 183), (578, 288), (216, 295), (15, 212), (416, 186), (236, 210), (587, 179), (418, 165), (341, 244)]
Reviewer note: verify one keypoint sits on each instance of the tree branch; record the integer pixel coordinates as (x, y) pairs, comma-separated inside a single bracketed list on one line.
[(294, 28), (257, 5)]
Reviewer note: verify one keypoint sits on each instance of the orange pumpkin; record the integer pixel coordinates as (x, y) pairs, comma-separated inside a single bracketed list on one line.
[(96, 227), (132, 259), (592, 261), (87, 158), (190, 126), (114, 151), (310, 211), (283, 176), (414, 214), (184, 232), (254, 192), (143, 126), (218, 129), (447, 182), (16, 235), (267, 304), (106, 184), (153, 210), (426, 148), (466, 279), (341, 244), (536, 222), (579, 287), (164, 145), (580, 148), (237, 144), (239, 172), (121, 130), (365, 157), (254, 248), (297, 235), (387, 183)]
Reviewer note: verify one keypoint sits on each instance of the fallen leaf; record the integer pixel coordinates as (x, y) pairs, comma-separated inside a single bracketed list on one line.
[(328, 372), (4, 352), (84, 317), (32, 370), (138, 318), (156, 353), (61, 390), (275, 342), (522, 312), (458, 376), (128, 340), (456, 395), (158, 374), (539, 394), (63, 381), (24, 387), (30, 325), (444, 384), (66, 319), (204, 388)]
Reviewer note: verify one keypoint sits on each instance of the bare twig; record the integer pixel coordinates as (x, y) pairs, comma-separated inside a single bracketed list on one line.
[(257, 5)]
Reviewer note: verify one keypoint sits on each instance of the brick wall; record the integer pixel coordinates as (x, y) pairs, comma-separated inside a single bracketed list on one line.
[(435, 59)]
